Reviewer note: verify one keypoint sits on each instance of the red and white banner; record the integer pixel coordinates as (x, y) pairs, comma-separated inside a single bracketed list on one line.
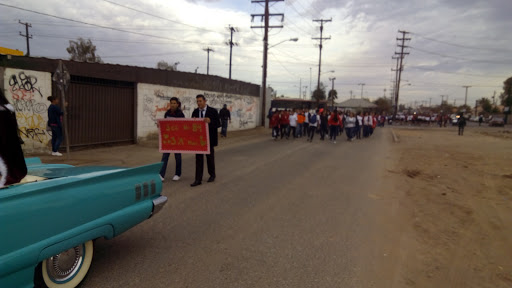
[(180, 135)]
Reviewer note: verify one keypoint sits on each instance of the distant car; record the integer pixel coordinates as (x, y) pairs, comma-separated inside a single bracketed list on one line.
[(473, 118), (48, 225), (497, 121)]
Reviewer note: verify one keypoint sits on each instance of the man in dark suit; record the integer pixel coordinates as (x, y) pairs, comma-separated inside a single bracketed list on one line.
[(211, 116)]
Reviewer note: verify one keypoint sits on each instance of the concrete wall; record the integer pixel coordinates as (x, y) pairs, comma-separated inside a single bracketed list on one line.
[(27, 91), (153, 101)]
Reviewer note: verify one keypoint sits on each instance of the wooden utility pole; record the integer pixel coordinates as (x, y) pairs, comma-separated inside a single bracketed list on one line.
[(401, 67), (266, 19), (27, 36), (208, 50), (321, 38), (466, 97), (230, 43)]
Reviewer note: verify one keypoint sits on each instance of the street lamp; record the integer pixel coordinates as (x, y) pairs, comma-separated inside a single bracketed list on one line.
[(291, 39), (264, 81)]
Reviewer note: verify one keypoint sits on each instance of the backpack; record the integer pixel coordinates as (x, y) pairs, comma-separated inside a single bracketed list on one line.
[(312, 119)]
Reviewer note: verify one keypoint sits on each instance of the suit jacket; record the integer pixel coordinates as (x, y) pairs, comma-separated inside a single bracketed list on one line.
[(213, 125)]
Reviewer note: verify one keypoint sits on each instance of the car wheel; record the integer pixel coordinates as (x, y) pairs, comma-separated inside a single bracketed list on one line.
[(69, 268)]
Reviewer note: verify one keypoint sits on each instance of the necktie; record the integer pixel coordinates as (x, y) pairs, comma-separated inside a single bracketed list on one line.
[(202, 113)]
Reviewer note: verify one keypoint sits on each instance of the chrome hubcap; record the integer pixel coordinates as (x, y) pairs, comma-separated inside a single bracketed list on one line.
[(65, 265)]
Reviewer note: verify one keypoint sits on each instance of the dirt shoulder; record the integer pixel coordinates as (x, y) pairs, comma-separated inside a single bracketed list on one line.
[(456, 195)]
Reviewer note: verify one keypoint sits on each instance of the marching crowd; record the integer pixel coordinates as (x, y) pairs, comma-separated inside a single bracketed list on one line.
[(303, 123)]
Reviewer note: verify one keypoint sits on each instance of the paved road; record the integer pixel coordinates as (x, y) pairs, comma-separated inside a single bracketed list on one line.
[(281, 214)]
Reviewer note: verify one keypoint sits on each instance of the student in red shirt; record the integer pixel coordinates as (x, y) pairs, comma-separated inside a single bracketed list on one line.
[(334, 122), (285, 124), (275, 124)]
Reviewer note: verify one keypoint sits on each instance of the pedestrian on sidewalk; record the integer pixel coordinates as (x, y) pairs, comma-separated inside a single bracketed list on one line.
[(173, 112), (210, 116), (462, 123), (334, 122), (55, 123), (275, 124), (350, 126), (480, 120), (225, 117), (314, 121), (285, 124)]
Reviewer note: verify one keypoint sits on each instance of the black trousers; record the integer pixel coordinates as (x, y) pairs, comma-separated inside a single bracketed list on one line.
[(210, 162)]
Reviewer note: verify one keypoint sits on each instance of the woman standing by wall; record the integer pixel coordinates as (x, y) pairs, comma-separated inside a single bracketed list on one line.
[(55, 123)]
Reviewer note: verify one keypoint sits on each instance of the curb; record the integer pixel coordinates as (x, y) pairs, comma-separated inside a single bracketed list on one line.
[(395, 138)]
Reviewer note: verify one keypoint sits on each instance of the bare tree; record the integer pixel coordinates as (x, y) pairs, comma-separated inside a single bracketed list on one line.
[(83, 50), (165, 66)]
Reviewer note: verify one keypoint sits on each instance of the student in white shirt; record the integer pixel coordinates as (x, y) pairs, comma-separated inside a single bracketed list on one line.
[(293, 124), (314, 122)]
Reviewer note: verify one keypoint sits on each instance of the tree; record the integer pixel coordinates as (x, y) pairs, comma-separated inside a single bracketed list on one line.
[(383, 105), (319, 93), (486, 105), (506, 96), (464, 108), (333, 95), (163, 65), (83, 50)]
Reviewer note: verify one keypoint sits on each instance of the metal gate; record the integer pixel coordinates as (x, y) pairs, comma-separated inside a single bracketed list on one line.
[(100, 111)]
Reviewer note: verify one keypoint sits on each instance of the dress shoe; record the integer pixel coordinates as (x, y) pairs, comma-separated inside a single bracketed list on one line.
[(196, 183), (211, 179)]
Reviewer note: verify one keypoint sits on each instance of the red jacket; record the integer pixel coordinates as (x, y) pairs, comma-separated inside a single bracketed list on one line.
[(275, 120), (285, 118), (331, 121)]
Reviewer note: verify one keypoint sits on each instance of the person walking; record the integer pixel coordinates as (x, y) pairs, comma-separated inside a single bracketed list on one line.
[(293, 125), (350, 126), (462, 123), (300, 123), (306, 122), (12, 162), (173, 112), (334, 122), (367, 123), (275, 124), (359, 125), (225, 116), (323, 124), (480, 120), (210, 116), (285, 123), (314, 121), (55, 123)]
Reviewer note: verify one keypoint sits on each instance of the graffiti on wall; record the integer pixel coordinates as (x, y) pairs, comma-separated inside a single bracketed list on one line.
[(31, 110), (155, 101)]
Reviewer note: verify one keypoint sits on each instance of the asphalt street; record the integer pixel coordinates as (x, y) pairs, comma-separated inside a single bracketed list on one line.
[(280, 214)]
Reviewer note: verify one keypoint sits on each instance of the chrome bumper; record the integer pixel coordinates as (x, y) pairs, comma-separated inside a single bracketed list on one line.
[(158, 203)]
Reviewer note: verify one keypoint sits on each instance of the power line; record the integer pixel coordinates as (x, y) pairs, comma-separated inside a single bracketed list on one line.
[(460, 58), (461, 46), (97, 25), (208, 50), (230, 43)]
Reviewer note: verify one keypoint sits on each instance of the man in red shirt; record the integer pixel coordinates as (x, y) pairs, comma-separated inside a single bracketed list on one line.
[(285, 124), (275, 124)]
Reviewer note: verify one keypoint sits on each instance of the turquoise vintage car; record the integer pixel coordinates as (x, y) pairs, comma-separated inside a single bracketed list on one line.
[(47, 227)]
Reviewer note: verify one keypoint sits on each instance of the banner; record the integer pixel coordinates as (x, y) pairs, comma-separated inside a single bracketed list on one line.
[(180, 135)]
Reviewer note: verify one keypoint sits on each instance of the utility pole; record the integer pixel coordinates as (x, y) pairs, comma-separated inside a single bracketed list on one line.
[(310, 93), (266, 19), (305, 89), (430, 102), (322, 21), (208, 50), (466, 98), (350, 94), (332, 91), (362, 85), (300, 86), (230, 43), (401, 67), (395, 83), (442, 99), (28, 36)]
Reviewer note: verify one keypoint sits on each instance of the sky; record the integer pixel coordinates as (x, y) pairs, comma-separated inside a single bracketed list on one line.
[(453, 43)]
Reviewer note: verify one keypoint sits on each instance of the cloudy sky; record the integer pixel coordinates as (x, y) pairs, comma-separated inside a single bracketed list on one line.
[(453, 42)]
